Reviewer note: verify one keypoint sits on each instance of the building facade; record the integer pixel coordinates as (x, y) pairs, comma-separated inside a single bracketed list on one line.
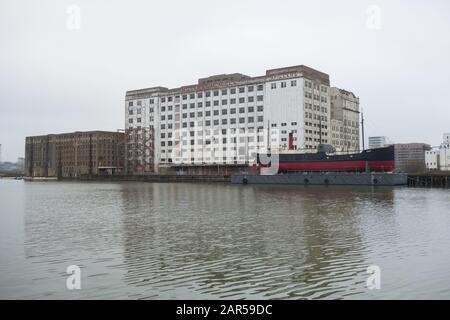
[(378, 142), (74, 154), (439, 158), (410, 157), (226, 119), (344, 106)]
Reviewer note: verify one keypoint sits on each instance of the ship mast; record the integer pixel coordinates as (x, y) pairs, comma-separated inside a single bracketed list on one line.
[(362, 129)]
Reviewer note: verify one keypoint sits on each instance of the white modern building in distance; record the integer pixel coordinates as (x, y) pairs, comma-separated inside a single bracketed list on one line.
[(439, 158), (226, 119), (377, 142)]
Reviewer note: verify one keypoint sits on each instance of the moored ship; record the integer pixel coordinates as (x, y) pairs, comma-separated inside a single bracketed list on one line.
[(372, 160)]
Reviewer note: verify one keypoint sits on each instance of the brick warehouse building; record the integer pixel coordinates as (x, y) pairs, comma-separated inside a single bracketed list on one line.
[(74, 154)]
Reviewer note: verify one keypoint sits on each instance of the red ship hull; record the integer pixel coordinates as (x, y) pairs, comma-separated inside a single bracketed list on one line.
[(379, 160), (351, 165)]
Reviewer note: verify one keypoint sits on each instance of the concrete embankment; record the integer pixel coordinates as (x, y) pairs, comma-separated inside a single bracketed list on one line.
[(413, 180), (156, 178)]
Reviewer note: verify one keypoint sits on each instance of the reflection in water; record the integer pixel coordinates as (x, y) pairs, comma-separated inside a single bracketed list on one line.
[(235, 242), (202, 241)]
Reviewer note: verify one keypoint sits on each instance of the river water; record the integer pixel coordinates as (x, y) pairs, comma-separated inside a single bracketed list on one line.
[(212, 241)]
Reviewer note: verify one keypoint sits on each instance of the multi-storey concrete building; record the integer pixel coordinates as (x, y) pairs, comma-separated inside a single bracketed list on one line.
[(74, 154), (410, 157), (378, 142), (226, 119), (344, 106)]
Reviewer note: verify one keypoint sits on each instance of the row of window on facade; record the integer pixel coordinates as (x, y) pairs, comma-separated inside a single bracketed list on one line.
[(309, 95), (283, 84), (309, 115), (215, 112), (214, 93), (309, 84), (316, 107), (225, 91), (310, 124)]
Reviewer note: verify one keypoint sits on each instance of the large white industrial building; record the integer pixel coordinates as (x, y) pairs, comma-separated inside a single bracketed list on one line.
[(225, 119), (439, 158)]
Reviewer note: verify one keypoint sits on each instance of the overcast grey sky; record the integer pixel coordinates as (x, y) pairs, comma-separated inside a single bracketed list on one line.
[(56, 79)]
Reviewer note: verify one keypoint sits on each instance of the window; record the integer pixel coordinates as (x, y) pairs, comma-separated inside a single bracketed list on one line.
[(130, 104), (260, 108), (232, 111), (251, 109), (283, 84), (199, 104), (260, 87), (273, 85), (293, 83), (241, 120), (200, 95), (208, 104), (216, 112), (241, 100), (216, 103), (260, 98), (233, 121), (163, 99), (208, 94), (241, 110), (224, 91), (185, 106), (224, 121), (260, 118), (216, 93), (184, 96), (250, 88), (130, 120), (168, 99), (192, 96), (232, 90), (251, 99), (232, 101), (224, 102), (224, 111), (251, 119), (241, 89)]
